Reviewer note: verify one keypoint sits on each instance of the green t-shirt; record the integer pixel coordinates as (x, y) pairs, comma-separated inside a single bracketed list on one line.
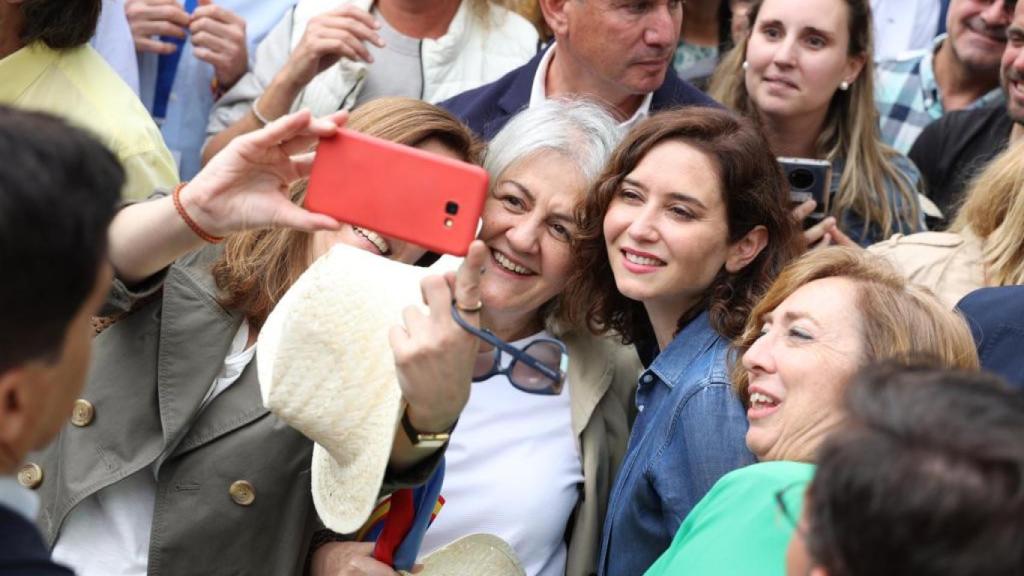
[(738, 527)]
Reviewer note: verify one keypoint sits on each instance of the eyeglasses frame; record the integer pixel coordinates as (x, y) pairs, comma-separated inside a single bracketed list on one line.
[(558, 378)]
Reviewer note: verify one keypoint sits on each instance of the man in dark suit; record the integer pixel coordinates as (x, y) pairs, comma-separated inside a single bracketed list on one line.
[(616, 53), (59, 189), (996, 318)]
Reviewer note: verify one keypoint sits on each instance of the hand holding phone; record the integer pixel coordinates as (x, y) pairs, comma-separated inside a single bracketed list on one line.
[(399, 191)]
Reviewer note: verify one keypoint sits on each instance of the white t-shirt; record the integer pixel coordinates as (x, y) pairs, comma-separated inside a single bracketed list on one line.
[(513, 469), (107, 534)]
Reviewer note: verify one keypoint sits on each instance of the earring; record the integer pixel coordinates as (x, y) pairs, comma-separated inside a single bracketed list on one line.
[(844, 85), (746, 65)]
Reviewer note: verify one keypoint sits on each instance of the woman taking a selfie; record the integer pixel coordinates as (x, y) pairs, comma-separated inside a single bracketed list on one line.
[(172, 463), (686, 227), (805, 74), (532, 459), (533, 456)]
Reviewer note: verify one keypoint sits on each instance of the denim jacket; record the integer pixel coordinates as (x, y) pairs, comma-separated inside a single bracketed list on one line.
[(690, 431)]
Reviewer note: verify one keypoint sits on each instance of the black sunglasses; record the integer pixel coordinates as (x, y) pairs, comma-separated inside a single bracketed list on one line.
[(539, 368)]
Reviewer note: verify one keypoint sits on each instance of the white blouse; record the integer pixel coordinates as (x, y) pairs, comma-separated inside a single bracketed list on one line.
[(513, 469)]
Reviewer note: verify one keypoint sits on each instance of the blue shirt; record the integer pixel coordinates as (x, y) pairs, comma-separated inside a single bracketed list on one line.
[(190, 101), (690, 432)]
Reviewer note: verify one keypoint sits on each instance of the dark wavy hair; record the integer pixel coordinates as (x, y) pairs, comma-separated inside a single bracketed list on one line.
[(59, 190), (923, 478), (755, 194)]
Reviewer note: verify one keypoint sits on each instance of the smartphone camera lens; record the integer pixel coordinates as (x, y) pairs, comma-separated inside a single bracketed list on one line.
[(451, 208), (801, 179)]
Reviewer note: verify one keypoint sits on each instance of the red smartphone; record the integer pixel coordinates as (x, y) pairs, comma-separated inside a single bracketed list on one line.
[(398, 191)]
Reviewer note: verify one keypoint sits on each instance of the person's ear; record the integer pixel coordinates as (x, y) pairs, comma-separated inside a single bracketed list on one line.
[(818, 571), (15, 412), (854, 65), (556, 14), (743, 251)]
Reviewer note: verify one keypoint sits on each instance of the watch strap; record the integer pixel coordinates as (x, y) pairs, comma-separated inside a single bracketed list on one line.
[(418, 439)]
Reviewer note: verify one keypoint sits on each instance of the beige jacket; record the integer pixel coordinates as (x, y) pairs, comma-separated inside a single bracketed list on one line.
[(950, 264), (604, 376)]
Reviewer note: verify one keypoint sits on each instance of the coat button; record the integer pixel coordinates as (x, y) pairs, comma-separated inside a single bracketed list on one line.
[(242, 492), (83, 413), (30, 475)]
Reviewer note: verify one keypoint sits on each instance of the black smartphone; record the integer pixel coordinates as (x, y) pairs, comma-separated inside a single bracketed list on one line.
[(808, 179)]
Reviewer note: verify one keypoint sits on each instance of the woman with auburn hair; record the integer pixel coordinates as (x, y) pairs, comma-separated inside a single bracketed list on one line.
[(829, 314), (174, 449), (983, 247), (805, 74), (683, 231)]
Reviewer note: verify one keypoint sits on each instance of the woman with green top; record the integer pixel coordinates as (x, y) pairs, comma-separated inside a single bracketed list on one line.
[(828, 314)]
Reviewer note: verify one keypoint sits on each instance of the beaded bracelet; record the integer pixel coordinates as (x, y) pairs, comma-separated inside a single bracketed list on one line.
[(206, 236)]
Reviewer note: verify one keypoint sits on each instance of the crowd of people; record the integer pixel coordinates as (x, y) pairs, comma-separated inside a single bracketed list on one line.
[(655, 358)]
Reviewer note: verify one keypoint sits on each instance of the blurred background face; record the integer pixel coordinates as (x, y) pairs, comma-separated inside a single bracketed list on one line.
[(368, 240), (798, 55), (977, 29), (809, 348), (739, 25), (527, 226), (627, 45), (666, 228), (1012, 67)]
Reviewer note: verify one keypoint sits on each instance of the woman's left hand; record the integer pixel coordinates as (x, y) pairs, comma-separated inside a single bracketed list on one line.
[(433, 354), (245, 186)]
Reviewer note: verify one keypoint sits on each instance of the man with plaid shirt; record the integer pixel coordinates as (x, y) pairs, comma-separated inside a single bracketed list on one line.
[(961, 71)]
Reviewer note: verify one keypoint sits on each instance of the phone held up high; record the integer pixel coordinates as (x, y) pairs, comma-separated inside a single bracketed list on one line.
[(398, 191), (808, 179)]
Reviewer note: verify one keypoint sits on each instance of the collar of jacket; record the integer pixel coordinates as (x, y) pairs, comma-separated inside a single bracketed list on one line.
[(195, 334), (669, 94), (696, 338)]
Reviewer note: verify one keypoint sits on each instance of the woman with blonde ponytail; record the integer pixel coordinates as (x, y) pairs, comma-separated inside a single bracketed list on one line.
[(805, 74)]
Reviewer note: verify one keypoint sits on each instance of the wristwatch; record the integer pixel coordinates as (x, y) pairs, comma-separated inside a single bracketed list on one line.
[(431, 441)]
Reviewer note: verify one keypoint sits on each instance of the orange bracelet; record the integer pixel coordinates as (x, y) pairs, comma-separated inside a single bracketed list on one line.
[(176, 196)]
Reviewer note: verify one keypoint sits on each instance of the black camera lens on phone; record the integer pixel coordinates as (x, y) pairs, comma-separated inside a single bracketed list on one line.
[(451, 208), (801, 179)]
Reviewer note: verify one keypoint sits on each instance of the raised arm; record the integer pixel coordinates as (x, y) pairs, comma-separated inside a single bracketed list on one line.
[(245, 187)]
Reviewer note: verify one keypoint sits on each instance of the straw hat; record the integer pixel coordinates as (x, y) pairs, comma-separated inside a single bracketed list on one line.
[(326, 369), (476, 554)]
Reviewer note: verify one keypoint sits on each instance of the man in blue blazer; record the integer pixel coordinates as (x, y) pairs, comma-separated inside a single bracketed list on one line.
[(996, 318), (616, 53)]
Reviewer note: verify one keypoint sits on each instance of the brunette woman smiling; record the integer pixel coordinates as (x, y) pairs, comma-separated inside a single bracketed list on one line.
[(683, 231)]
